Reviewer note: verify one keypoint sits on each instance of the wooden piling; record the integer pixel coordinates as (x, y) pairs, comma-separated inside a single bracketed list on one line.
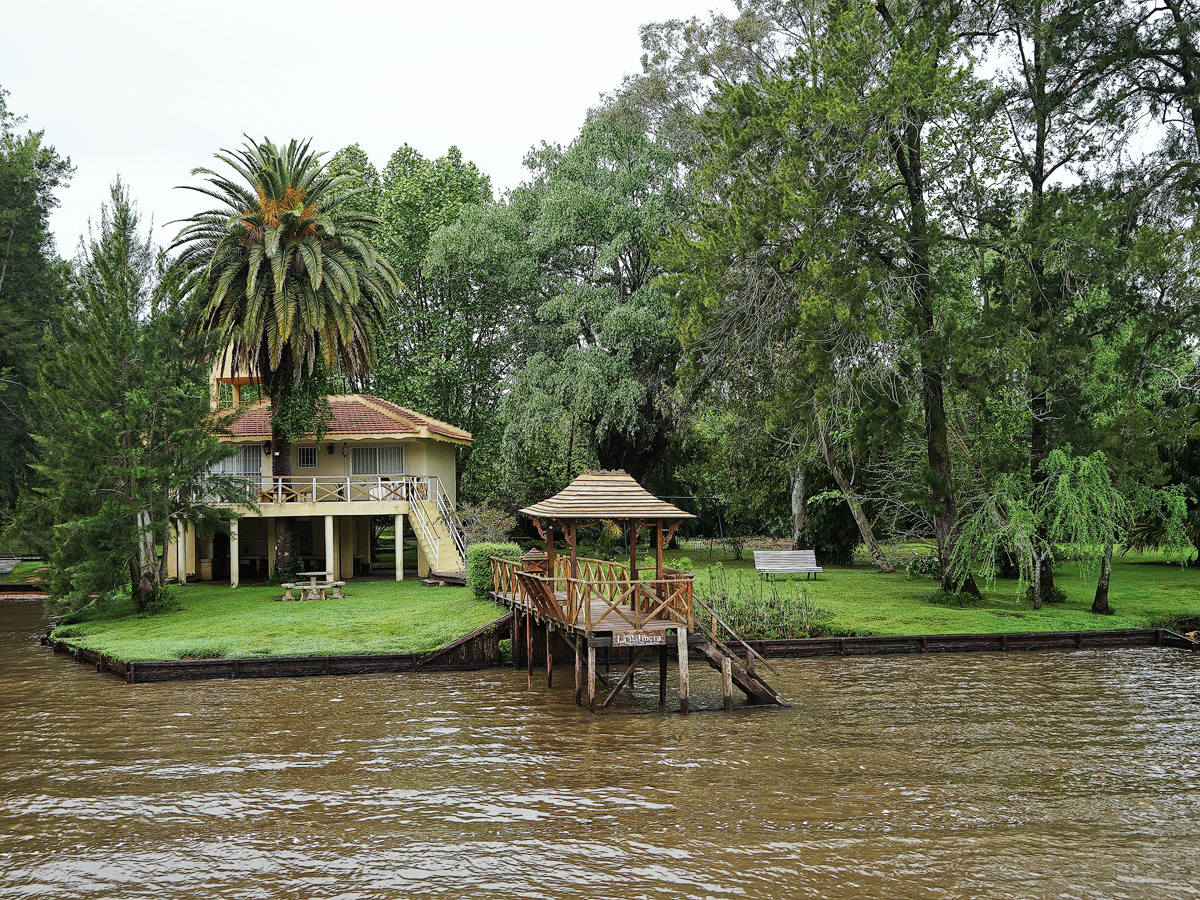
[(516, 638), (681, 642), (727, 683), (529, 649), (662, 675), (578, 672), (549, 654), (591, 677)]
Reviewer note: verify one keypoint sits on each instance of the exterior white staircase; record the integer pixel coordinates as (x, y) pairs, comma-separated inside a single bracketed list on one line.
[(439, 534)]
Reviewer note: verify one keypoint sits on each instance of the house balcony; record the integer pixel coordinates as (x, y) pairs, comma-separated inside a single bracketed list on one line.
[(336, 494)]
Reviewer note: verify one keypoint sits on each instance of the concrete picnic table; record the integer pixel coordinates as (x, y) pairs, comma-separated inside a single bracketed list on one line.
[(314, 590)]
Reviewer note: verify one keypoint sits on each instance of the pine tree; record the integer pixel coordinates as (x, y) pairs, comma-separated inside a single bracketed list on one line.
[(123, 427)]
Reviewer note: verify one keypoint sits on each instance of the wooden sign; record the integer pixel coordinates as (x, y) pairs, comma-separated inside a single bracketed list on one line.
[(639, 638)]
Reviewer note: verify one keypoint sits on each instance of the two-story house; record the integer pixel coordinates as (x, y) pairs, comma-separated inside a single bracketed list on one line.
[(375, 459)]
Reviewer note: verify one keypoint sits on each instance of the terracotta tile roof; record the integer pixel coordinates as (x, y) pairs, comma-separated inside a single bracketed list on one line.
[(354, 415), (606, 494)]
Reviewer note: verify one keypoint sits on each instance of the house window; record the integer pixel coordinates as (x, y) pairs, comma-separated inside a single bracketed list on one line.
[(306, 457), (247, 463), (378, 460)]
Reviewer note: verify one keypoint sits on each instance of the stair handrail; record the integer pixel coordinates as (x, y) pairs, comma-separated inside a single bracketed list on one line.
[(453, 525), (750, 651), (431, 536)]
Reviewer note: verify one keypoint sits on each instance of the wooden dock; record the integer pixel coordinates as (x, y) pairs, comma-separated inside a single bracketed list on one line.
[(590, 604)]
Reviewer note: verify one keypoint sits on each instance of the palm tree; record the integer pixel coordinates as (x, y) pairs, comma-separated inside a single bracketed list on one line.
[(284, 277)]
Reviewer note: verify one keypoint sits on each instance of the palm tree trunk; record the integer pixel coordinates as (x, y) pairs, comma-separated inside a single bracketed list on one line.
[(281, 468)]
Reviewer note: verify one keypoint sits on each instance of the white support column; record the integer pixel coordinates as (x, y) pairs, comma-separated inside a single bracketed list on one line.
[(235, 573), (270, 546), (400, 547), (181, 550), (329, 547)]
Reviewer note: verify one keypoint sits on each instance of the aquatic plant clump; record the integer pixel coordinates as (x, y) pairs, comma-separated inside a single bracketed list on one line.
[(761, 609)]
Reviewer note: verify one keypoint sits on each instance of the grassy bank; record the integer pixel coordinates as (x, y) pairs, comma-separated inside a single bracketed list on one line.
[(386, 617), (1146, 591), (217, 621)]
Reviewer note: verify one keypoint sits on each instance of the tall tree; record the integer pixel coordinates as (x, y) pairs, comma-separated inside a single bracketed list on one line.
[(31, 279), (285, 276), (464, 259), (124, 429), (600, 385), (1066, 112), (830, 188)]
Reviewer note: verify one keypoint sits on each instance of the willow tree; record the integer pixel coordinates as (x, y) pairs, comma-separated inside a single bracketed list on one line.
[(285, 279)]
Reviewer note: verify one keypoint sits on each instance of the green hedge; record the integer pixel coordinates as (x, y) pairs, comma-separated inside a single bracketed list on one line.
[(479, 571)]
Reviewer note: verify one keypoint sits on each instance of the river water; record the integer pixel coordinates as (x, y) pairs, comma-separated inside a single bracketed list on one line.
[(1022, 775)]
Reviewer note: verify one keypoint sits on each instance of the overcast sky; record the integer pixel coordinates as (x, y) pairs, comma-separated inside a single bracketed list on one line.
[(151, 90)]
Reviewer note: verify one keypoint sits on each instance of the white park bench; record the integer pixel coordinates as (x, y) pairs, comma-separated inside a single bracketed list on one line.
[(786, 562)]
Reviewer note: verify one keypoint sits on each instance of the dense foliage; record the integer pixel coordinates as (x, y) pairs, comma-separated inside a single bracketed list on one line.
[(124, 433), (32, 281), (849, 272)]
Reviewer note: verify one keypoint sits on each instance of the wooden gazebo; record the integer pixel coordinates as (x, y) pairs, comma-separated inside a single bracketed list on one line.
[(606, 496), (595, 603)]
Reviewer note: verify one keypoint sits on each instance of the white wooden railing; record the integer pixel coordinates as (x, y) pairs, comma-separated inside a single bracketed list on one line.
[(266, 489), (413, 489)]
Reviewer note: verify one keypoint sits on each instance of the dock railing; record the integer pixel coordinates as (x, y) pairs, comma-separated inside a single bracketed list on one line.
[(599, 588)]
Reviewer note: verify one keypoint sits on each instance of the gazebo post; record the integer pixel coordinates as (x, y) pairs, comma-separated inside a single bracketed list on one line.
[(550, 552), (634, 529), (658, 562), (573, 538)]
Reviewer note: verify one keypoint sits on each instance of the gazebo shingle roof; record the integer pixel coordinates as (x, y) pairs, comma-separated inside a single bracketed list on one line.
[(605, 494)]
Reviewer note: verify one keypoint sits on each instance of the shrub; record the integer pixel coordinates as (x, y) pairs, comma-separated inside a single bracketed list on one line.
[(479, 570), (757, 609), (483, 524), (923, 564)]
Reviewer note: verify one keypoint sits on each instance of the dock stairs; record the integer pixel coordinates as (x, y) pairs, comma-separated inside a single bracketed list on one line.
[(744, 665)]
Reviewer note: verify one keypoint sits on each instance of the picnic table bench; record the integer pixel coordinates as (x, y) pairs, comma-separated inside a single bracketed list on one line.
[(313, 589), (784, 562)]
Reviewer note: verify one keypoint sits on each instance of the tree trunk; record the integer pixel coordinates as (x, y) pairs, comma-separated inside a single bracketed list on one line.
[(1041, 366), (1100, 603), (281, 467), (800, 540), (933, 364), (856, 510), (142, 581), (1038, 566)]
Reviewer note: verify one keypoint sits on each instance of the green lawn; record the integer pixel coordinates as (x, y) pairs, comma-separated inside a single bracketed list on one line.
[(219, 621), (386, 617), (1145, 591), (26, 570)]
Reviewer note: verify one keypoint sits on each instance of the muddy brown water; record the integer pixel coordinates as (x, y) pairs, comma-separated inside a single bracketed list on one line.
[(1022, 775)]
